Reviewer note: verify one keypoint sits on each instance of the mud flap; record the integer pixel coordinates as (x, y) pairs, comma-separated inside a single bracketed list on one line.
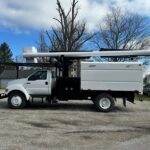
[(130, 98), (124, 102)]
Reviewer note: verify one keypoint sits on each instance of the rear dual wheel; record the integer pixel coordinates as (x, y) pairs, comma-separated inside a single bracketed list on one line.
[(104, 102)]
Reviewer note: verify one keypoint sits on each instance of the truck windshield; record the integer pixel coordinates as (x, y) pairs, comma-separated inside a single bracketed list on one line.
[(40, 75)]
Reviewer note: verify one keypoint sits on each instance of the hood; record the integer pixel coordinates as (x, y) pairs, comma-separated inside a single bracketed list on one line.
[(18, 81)]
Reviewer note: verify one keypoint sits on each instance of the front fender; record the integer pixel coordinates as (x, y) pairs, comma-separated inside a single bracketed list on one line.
[(18, 87)]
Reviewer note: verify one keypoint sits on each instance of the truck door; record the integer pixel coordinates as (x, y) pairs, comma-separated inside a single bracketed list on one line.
[(38, 83)]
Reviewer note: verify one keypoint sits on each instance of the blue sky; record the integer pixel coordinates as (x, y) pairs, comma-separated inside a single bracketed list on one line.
[(18, 41), (21, 21)]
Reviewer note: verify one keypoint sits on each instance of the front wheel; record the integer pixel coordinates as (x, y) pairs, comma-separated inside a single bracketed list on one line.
[(17, 100), (104, 102)]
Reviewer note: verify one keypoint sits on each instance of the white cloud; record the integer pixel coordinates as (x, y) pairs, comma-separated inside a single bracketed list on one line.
[(38, 14)]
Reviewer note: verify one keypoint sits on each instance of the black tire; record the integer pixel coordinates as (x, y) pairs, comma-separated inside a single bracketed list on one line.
[(20, 101), (104, 102)]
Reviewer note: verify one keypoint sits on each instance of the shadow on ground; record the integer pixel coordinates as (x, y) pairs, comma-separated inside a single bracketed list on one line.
[(67, 106)]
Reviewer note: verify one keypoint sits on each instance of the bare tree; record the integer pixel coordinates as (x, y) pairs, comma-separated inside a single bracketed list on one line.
[(70, 34), (122, 30), (42, 45)]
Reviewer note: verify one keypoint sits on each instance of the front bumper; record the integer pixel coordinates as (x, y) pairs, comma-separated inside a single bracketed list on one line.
[(3, 95)]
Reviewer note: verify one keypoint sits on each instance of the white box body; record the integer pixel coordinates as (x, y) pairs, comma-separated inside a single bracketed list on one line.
[(112, 76)]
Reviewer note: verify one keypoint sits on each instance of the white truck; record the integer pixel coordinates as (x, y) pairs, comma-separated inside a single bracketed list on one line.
[(100, 82)]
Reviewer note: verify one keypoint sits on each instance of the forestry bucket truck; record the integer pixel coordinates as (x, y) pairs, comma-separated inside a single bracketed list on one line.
[(100, 82)]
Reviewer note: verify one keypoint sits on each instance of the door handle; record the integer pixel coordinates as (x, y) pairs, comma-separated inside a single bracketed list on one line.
[(46, 83), (28, 83)]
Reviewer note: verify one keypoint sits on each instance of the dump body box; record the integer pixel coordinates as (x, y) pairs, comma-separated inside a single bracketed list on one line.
[(114, 76)]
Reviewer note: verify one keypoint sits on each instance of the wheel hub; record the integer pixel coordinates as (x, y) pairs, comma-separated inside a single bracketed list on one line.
[(16, 100), (105, 103)]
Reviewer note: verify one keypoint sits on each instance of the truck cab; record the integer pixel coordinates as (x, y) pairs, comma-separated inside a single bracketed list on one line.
[(37, 84)]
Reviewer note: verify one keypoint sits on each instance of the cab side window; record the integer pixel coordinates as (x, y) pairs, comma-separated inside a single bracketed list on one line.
[(40, 75)]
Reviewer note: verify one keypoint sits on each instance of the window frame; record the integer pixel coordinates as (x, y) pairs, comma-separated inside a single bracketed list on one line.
[(30, 77)]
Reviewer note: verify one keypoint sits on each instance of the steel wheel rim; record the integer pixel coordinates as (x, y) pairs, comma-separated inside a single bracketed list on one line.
[(16, 101), (105, 103)]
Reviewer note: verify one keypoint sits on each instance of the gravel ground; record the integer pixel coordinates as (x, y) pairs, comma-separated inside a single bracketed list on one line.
[(75, 125)]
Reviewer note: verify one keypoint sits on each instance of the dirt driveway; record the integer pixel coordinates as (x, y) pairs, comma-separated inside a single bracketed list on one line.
[(75, 126)]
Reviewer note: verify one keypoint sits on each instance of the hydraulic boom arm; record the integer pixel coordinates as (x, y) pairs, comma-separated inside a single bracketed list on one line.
[(91, 54)]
